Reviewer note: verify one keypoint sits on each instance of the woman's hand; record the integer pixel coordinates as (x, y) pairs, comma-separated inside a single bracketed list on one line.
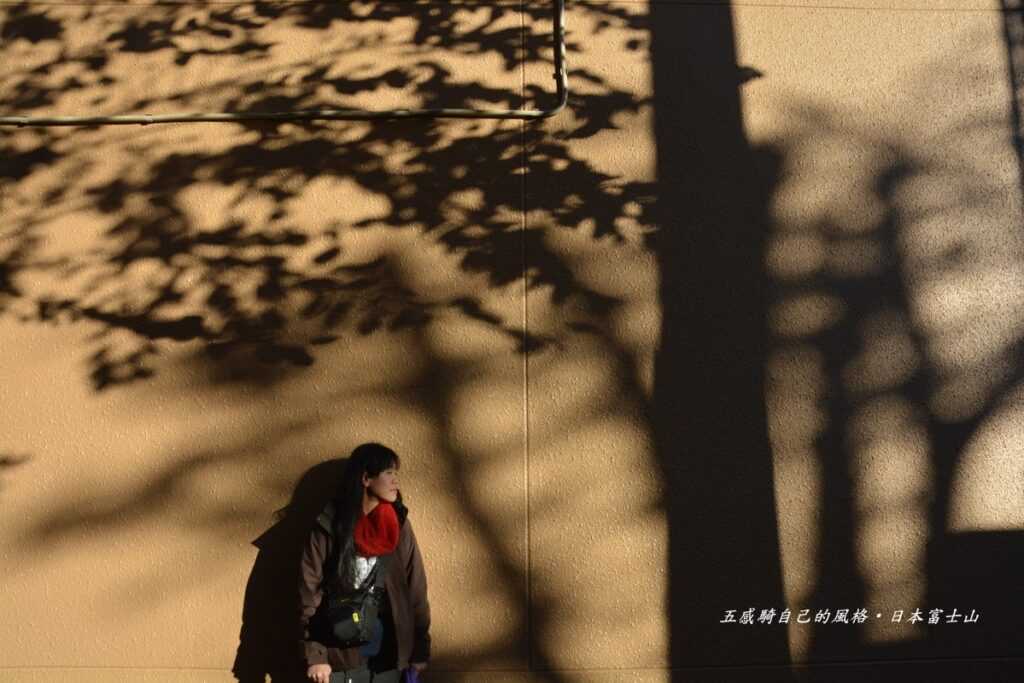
[(319, 673), (419, 666)]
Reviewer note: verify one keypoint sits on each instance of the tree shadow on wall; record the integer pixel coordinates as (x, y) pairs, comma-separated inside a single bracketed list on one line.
[(708, 413), (900, 415), (850, 298), (915, 384), (253, 291), (257, 291), (266, 290), (887, 382)]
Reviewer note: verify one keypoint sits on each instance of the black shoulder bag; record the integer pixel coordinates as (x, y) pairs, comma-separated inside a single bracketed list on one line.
[(355, 616)]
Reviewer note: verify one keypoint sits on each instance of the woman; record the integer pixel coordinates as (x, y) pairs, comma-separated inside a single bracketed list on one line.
[(363, 590)]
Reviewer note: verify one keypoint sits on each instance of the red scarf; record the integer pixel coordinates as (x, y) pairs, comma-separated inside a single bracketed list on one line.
[(377, 533)]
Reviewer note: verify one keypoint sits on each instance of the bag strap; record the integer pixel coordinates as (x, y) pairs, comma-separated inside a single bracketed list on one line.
[(380, 568), (379, 573)]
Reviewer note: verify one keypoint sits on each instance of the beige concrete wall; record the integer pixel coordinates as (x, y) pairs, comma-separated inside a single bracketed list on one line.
[(194, 316), (897, 261)]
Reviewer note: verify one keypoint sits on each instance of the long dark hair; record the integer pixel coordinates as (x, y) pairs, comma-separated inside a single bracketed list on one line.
[(370, 459)]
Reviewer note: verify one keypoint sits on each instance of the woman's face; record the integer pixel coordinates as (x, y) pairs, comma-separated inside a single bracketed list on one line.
[(384, 486)]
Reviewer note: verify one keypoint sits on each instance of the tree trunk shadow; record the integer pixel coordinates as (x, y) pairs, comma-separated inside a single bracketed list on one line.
[(708, 412)]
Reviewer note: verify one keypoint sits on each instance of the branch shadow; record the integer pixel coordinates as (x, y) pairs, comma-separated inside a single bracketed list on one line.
[(195, 295), (9, 462), (257, 295), (879, 359)]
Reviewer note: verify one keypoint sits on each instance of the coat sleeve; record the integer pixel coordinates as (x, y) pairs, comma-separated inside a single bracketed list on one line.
[(311, 593), (417, 579)]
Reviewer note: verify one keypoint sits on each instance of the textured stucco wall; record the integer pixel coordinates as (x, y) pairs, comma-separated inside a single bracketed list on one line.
[(897, 267), (193, 317)]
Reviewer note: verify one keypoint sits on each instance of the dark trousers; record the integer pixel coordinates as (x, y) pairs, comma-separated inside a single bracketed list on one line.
[(380, 667), (364, 675)]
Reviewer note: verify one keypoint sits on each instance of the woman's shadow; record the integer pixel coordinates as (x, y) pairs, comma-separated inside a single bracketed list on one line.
[(269, 640)]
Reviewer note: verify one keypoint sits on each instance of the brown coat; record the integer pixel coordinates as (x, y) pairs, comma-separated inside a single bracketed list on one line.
[(406, 585)]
